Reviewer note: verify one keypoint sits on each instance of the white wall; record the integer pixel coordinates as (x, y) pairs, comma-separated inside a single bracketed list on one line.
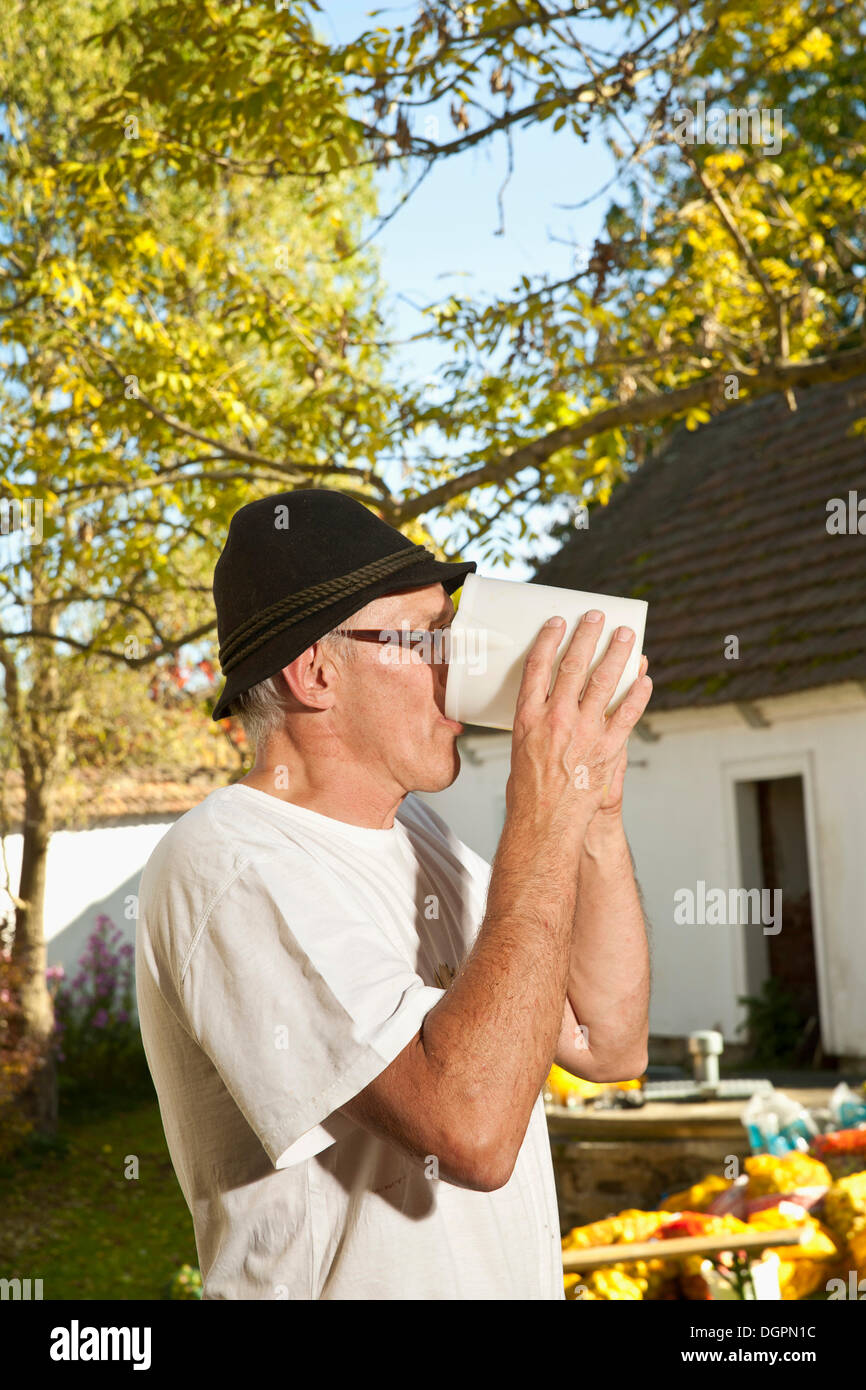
[(681, 823), (89, 872)]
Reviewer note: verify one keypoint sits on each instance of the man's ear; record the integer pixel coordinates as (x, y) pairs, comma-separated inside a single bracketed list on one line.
[(311, 678)]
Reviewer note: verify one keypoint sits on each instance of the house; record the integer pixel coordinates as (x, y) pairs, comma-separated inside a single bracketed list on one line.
[(747, 537)]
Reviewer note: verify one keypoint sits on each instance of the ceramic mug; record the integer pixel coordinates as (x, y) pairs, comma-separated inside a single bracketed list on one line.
[(496, 623)]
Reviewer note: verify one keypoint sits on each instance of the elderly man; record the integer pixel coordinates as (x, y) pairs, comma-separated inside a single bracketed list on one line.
[(348, 1016)]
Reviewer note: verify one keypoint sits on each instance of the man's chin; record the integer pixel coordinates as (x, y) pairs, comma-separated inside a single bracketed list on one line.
[(437, 781)]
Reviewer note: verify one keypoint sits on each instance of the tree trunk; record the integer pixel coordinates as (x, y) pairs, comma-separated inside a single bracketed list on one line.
[(29, 953)]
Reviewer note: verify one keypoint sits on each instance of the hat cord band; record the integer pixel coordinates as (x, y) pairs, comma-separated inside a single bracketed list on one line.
[(252, 634)]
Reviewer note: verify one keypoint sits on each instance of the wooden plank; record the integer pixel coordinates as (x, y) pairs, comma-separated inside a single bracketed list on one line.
[(596, 1256)]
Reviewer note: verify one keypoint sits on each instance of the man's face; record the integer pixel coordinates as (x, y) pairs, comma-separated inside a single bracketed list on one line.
[(390, 701)]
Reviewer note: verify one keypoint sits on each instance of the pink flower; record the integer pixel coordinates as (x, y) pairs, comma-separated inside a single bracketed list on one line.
[(100, 1019)]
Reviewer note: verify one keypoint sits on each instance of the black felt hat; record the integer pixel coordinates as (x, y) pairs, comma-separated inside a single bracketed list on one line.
[(296, 565)]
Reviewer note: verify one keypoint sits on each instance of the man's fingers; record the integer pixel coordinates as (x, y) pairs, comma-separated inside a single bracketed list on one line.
[(605, 678), (538, 666), (624, 718), (576, 660)]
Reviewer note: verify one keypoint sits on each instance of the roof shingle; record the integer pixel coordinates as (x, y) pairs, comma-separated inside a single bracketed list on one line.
[(724, 532), (92, 797)]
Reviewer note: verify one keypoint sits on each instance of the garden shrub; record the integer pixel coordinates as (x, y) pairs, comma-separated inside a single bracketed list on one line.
[(99, 1049)]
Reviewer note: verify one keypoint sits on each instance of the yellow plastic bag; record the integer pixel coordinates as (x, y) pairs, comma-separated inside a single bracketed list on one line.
[(769, 1173), (845, 1206), (698, 1197)]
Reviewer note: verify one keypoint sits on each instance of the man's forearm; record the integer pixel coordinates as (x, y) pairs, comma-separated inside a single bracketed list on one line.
[(609, 968), (491, 1038)]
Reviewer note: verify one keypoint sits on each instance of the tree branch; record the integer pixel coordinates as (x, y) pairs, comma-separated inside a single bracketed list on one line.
[(761, 381), (167, 648)]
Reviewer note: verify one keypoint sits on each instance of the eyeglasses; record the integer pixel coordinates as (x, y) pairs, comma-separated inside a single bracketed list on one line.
[(431, 644), (387, 634)]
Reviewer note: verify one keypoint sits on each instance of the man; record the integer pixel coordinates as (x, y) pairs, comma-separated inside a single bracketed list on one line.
[(348, 1016)]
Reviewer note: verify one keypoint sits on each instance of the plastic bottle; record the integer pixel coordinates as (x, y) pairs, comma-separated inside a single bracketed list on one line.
[(847, 1108), (776, 1124), (760, 1121)]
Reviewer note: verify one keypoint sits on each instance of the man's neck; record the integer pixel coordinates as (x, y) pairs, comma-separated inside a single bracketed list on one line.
[(336, 789)]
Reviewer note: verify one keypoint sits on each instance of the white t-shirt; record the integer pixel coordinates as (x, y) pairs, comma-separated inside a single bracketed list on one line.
[(283, 960)]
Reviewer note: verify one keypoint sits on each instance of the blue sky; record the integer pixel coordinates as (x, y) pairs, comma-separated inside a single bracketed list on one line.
[(444, 240)]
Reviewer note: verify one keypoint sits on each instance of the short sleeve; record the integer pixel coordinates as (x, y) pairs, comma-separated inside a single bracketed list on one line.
[(299, 1000)]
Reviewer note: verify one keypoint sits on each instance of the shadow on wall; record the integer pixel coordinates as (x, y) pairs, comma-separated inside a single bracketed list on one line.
[(69, 945), (91, 873)]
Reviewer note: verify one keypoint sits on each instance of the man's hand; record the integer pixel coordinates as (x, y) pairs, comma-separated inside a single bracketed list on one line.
[(566, 754), (611, 806)]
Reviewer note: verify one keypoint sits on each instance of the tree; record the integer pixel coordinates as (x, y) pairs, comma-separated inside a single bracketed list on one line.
[(724, 271), (165, 356)]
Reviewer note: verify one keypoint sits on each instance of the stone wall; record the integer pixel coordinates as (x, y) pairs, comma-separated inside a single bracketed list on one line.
[(595, 1180)]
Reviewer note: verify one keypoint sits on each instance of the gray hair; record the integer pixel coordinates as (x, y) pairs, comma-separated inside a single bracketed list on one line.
[(262, 709)]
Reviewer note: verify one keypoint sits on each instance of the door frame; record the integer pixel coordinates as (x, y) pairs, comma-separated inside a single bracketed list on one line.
[(759, 769)]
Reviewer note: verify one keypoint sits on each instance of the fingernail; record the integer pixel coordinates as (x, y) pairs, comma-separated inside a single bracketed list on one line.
[(624, 634), (593, 616), (554, 622)]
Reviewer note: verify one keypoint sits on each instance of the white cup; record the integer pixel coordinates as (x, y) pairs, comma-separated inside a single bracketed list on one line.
[(497, 622)]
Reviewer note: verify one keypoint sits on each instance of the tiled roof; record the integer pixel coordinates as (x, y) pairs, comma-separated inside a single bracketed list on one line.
[(724, 532), (93, 797)]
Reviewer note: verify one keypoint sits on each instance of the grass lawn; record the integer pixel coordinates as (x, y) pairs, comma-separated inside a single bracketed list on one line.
[(73, 1220)]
